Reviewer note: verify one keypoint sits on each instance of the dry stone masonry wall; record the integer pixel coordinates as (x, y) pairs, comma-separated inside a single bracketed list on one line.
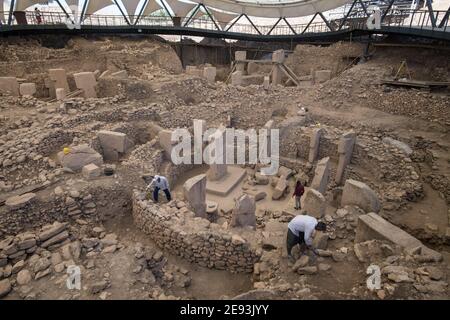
[(174, 228)]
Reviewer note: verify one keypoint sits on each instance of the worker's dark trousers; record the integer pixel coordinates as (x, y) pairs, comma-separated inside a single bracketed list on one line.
[(293, 240), (166, 191)]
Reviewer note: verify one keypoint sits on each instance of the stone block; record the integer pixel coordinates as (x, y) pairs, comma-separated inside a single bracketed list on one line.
[(195, 194), (9, 85), (217, 147), (280, 188), (403, 147), (285, 172), (243, 214), (236, 78), (60, 94), (86, 81), (91, 171), (240, 55), (345, 150), (359, 194), (373, 227), (17, 202), (114, 140), (279, 56), (314, 144), (27, 89), (59, 79), (122, 74), (266, 83), (252, 68), (313, 202), (322, 76), (209, 73), (79, 156), (194, 71), (165, 141), (320, 240)]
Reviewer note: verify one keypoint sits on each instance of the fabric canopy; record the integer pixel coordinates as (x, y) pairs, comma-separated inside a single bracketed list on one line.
[(130, 7), (180, 9), (72, 2), (22, 5), (96, 5), (299, 8), (151, 7), (223, 18)]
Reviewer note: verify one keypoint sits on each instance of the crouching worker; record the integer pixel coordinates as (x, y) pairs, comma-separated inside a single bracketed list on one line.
[(301, 230), (160, 183)]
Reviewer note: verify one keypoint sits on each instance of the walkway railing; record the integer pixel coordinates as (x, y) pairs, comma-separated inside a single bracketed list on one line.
[(407, 19)]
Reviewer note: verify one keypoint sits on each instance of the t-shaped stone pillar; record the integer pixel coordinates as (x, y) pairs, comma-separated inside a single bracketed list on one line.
[(217, 147), (314, 144), (277, 75), (321, 175), (239, 56), (86, 81), (236, 78), (345, 150), (195, 194), (244, 212)]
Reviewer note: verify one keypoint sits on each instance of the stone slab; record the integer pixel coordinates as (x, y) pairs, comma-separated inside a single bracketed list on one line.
[(27, 89), (227, 183), (10, 85), (86, 81), (371, 226)]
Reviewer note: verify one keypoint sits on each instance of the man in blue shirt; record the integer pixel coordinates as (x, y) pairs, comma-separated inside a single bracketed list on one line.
[(160, 183)]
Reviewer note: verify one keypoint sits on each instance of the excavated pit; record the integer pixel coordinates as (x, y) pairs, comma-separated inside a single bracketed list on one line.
[(347, 132)]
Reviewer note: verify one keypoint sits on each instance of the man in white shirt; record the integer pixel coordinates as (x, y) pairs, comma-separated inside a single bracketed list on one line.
[(160, 183), (301, 229)]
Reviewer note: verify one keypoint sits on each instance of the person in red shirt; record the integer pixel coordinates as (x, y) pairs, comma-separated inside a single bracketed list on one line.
[(38, 15), (298, 192)]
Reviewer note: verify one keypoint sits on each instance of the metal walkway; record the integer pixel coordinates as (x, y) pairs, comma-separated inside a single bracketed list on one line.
[(409, 23)]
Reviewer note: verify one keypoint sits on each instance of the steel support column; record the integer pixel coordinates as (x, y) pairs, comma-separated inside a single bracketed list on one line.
[(326, 21), (123, 13), (210, 16), (445, 18), (273, 27), (346, 16), (364, 7), (251, 22), (11, 9), (62, 8), (167, 10), (234, 22), (289, 25), (140, 12), (197, 7), (430, 12), (309, 23), (83, 10), (387, 10)]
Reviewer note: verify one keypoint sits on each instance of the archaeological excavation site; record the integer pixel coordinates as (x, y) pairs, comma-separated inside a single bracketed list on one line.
[(148, 155)]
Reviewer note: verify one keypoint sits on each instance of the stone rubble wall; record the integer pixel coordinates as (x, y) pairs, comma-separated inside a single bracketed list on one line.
[(194, 239), (39, 212)]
